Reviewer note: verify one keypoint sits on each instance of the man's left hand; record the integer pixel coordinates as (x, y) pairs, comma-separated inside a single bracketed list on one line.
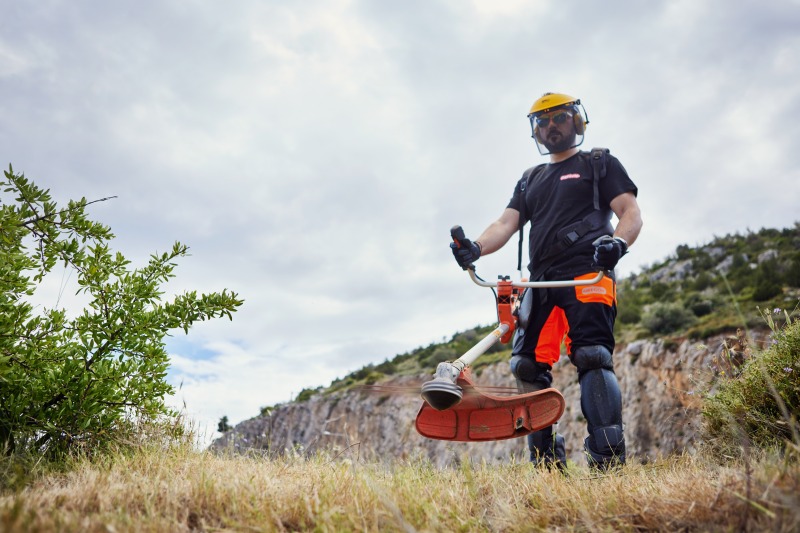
[(608, 251)]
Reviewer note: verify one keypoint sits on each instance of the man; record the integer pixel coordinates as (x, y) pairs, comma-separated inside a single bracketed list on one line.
[(569, 202)]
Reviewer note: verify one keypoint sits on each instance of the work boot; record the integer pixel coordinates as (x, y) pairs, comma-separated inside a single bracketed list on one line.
[(609, 452), (547, 449)]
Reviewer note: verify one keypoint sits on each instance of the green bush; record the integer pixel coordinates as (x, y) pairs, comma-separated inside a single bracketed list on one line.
[(82, 382), (702, 308), (362, 372), (699, 305), (761, 403), (683, 251), (702, 261), (667, 317), (306, 394), (374, 377), (768, 281), (440, 355), (766, 289), (661, 291), (702, 281), (387, 367), (629, 314), (223, 426), (793, 272)]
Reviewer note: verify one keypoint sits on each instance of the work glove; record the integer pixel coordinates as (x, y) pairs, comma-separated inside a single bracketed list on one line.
[(608, 251), (466, 252)]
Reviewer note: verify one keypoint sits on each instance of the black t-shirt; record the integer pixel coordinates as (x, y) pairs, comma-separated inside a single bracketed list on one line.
[(562, 194)]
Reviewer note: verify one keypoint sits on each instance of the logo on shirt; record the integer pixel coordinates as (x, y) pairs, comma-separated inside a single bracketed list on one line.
[(570, 177), (594, 290)]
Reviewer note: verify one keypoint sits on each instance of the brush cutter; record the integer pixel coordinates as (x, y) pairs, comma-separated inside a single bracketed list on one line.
[(455, 409)]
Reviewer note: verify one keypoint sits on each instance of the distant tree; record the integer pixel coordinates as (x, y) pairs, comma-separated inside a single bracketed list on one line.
[(768, 281), (82, 381), (793, 272), (387, 367), (683, 251), (702, 261), (441, 354), (223, 426)]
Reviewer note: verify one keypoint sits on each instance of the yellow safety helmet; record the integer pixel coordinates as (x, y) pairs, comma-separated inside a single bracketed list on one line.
[(550, 101)]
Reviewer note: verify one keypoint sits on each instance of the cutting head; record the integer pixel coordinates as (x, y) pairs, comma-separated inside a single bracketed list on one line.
[(442, 392)]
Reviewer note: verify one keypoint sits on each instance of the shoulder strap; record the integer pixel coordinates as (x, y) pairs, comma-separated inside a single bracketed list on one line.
[(598, 160), (524, 181)]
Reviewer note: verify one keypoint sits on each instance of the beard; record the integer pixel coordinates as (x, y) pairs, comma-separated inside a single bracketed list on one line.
[(559, 143)]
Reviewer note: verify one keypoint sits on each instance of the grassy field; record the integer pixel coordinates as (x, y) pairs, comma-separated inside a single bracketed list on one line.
[(180, 489)]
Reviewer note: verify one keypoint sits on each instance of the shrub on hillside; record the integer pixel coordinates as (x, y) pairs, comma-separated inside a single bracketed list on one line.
[(768, 283), (793, 271), (440, 355), (703, 281), (306, 394), (661, 291), (667, 317), (629, 314), (762, 402), (698, 304)]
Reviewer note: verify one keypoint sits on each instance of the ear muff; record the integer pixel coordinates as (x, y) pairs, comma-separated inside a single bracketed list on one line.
[(580, 125)]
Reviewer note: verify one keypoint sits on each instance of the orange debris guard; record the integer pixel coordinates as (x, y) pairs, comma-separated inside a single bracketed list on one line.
[(483, 417)]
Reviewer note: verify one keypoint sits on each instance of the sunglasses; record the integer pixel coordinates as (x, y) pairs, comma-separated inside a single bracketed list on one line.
[(558, 118)]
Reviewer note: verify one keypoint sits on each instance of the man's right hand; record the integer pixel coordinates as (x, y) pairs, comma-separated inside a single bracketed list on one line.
[(466, 252)]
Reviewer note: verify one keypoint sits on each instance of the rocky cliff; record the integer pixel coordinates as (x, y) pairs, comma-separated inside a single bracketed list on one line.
[(661, 385)]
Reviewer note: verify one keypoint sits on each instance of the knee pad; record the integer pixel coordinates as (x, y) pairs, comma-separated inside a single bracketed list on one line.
[(601, 402), (601, 399), (592, 357), (605, 446), (531, 376)]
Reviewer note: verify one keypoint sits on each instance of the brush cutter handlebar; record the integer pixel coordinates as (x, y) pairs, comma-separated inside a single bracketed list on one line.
[(457, 234), (537, 284), (443, 392), (509, 295), (509, 292)]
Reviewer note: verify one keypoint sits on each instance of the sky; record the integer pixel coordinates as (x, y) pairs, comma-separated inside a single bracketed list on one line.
[(314, 154)]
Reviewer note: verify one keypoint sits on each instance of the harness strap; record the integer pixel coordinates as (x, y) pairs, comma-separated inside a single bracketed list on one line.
[(598, 158), (526, 178)]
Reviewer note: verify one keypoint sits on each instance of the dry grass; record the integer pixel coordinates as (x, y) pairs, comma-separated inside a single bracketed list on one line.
[(183, 490)]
